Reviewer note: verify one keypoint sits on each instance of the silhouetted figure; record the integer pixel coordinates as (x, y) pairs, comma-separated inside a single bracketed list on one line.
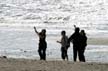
[(83, 44), (42, 43), (64, 45), (75, 38)]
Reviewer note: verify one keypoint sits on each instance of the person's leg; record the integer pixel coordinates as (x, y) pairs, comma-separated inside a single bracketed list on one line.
[(83, 58), (44, 51), (83, 51), (66, 55), (74, 54), (44, 54), (40, 53), (40, 50), (62, 53), (81, 55)]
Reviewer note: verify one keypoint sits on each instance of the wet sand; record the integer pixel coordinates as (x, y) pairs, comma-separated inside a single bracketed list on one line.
[(37, 65)]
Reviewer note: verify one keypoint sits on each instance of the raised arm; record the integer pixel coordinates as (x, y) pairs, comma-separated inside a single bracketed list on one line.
[(74, 26), (36, 30)]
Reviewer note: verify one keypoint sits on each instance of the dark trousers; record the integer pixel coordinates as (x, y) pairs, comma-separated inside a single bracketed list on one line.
[(75, 53), (64, 54), (80, 53), (42, 50)]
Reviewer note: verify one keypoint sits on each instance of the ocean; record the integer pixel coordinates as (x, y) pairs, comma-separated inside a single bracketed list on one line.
[(18, 17)]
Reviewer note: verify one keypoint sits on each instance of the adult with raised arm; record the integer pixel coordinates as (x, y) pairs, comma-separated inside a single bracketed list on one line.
[(42, 43), (76, 40)]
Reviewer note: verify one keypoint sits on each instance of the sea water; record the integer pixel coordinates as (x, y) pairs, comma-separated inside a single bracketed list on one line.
[(18, 17), (22, 42)]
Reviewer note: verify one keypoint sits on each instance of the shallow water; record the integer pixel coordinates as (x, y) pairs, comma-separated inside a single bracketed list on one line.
[(17, 18), (23, 43)]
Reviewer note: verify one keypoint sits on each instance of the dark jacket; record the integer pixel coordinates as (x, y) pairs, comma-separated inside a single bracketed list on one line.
[(76, 39)]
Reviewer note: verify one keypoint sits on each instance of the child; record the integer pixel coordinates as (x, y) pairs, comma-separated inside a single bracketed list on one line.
[(64, 45)]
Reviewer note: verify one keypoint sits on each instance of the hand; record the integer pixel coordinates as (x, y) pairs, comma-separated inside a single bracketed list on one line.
[(75, 26), (34, 27), (58, 42), (36, 30)]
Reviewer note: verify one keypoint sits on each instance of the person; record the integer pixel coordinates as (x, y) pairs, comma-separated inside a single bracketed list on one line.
[(76, 39), (42, 43), (64, 45), (83, 44)]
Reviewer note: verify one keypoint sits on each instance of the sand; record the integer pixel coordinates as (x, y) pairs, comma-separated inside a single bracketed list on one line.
[(37, 65)]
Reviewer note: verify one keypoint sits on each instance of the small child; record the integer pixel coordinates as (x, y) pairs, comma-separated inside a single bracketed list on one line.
[(64, 45)]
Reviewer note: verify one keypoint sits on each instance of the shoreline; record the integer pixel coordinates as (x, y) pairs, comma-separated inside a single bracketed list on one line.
[(98, 41), (93, 39), (38, 65), (17, 41)]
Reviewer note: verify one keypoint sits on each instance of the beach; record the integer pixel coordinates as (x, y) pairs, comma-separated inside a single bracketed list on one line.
[(37, 65), (19, 42), (20, 46), (22, 42)]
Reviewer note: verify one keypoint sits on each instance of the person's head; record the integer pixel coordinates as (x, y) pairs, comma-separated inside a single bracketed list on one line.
[(43, 31), (77, 29), (82, 32), (63, 33)]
